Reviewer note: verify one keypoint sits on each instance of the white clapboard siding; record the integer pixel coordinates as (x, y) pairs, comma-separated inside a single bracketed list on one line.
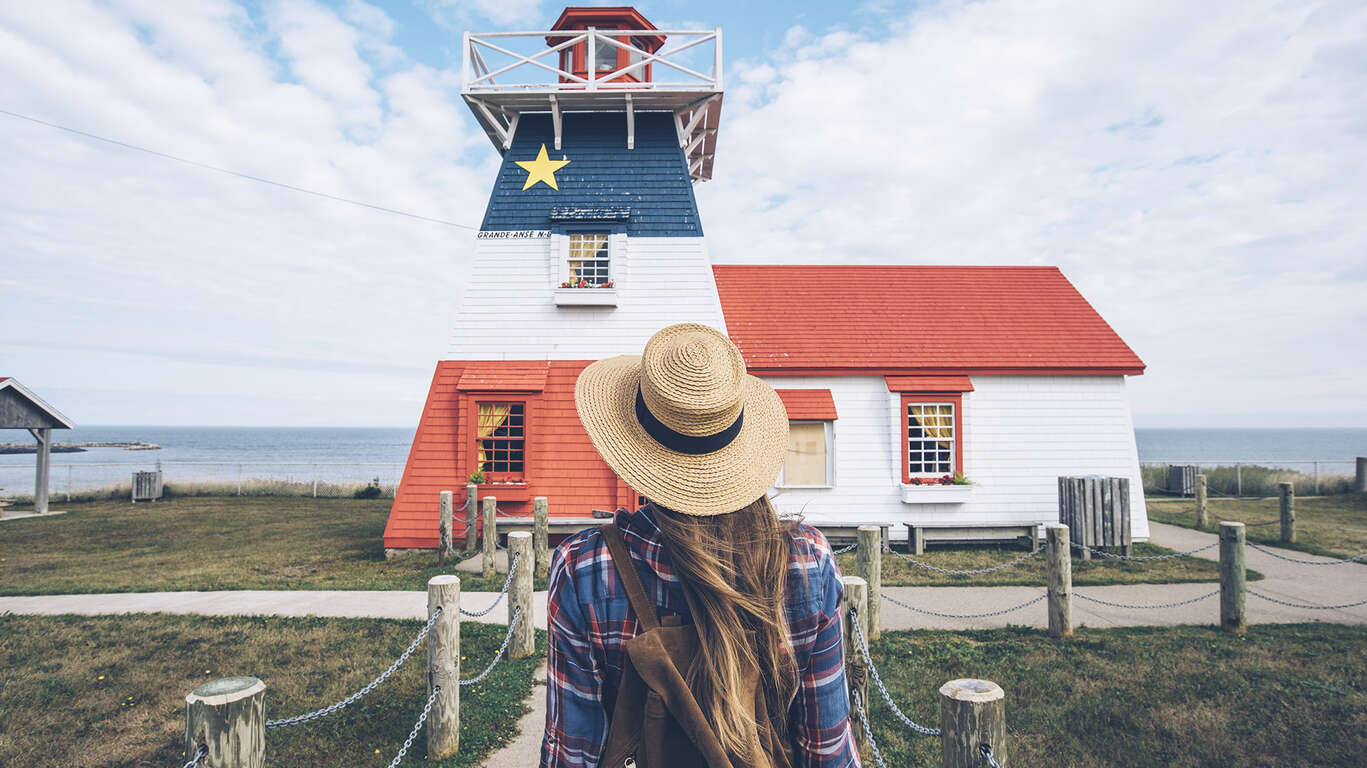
[(507, 309), (1020, 434)]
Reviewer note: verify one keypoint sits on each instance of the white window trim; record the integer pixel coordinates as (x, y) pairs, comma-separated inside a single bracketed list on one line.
[(830, 457), (587, 297), (954, 469)]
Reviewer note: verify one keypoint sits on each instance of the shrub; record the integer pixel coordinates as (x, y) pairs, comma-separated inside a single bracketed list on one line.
[(371, 491)]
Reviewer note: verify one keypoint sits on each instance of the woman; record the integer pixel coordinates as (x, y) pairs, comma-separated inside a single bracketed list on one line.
[(754, 602)]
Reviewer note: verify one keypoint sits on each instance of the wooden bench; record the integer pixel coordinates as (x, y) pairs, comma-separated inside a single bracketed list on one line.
[(555, 526), (841, 534), (918, 534)]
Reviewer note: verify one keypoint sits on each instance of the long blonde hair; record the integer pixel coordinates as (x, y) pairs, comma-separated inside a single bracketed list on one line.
[(734, 571)]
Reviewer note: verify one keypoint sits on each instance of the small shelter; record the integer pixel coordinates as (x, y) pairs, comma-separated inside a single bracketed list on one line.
[(21, 409)]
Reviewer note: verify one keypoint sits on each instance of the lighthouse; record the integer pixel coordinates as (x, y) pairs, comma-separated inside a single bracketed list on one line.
[(591, 241), (942, 403)]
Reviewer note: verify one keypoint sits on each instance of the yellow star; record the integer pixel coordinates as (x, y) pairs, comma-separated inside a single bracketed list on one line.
[(542, 169)]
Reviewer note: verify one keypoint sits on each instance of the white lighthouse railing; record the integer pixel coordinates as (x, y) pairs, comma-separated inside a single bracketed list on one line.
[(691, 60), (507, 74)]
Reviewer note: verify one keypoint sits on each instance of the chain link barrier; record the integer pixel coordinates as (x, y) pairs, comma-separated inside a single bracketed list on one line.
[(919, 730), (413, 734), (843, 550), (1145, 558), (1272, 599), (353, 698), (1159, 606), (1298, 561), (512, 568), (971, 571), (200, 754), (868, 728), (986, 751), (1012, 609), (517, 614)]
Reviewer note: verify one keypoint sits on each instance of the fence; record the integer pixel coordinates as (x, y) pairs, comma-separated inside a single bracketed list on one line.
[(1260, 477), (101, 479), (972, 712), (225, 725)]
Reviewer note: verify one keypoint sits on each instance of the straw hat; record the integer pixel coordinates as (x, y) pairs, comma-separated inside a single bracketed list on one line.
[(683, 423)]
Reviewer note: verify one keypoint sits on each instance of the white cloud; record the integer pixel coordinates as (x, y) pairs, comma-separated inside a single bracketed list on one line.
[(1193, 174)]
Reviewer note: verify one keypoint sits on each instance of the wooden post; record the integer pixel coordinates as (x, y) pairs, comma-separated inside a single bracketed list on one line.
[(972, 713), (1202, 511), (41, 480), (490, 535), (471, 517), (1232, 617), (869, 565), (856, 671), (1288, 512), (229, 717), (917, 540), (541, 529), (444, 527), (443, 667), (523, 643), (1360, 478), (1060, 580)]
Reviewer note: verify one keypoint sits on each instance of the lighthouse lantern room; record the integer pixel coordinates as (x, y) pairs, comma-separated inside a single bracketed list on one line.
[(605, 60)]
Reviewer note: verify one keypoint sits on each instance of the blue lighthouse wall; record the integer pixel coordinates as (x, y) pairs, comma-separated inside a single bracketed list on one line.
[(651, 180)]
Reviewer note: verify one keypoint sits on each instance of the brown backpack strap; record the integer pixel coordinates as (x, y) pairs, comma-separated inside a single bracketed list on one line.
[(626, 568)]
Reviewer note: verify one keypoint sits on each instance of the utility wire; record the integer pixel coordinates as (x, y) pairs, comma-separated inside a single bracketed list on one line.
[(230, 172)]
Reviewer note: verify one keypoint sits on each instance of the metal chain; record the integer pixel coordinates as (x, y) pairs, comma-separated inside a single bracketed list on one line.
[(1145, 558), (200, 754), (413, 734), (517, 613), (968, 572), (512, 568), (986, 751), (1025, 604), (868, 730), (1159, 606), (1267, 551), (919, 730), (843, 550), (1269, 598), (325, 711)]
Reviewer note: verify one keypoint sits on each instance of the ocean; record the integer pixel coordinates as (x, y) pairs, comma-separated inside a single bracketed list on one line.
[(361, 454)]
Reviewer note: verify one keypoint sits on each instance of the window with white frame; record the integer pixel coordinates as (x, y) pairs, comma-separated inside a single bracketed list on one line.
[(808, 464), (590, 262), (930, 439)]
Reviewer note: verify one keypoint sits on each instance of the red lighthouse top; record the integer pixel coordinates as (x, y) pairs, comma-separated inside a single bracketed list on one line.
[(606, 58)]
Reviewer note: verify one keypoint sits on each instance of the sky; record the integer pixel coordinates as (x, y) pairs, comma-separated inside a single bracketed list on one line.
[(1198, 174)]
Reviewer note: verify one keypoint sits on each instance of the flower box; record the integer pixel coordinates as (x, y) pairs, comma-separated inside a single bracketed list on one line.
[(585, 297), (936, 494), (506, 491)]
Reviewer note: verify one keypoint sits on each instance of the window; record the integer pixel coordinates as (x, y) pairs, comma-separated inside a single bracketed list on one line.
[(931, 437), (501, 440), (604, 55), (588, 258), (809, 452)]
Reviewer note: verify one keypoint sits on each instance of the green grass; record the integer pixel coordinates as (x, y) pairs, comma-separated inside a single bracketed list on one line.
[(1097, 572), (1335, 526), (212, 543), (1171, 697), (110, 691)]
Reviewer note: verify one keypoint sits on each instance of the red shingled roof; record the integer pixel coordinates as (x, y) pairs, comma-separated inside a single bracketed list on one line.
[(814, 404), (503, 376), (916, 319)]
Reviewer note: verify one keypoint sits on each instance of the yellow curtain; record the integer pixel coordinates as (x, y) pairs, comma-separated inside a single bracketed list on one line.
[(806, 462), (491, 417), (937, 421), (585, 247)]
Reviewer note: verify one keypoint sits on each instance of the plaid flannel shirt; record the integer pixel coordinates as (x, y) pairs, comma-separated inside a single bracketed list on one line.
[(590, 621)]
